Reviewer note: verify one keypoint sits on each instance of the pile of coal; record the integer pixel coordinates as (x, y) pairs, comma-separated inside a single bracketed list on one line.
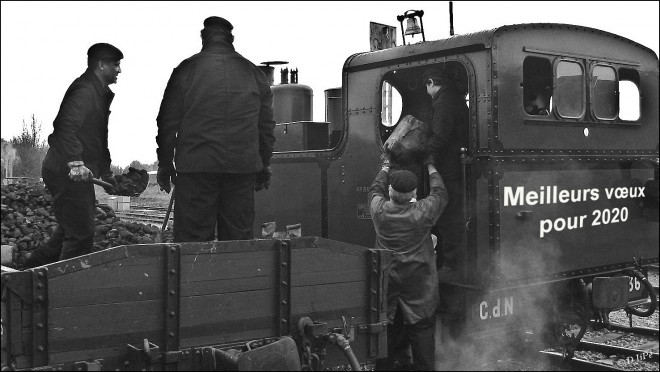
[(132, 183), (28, 221)]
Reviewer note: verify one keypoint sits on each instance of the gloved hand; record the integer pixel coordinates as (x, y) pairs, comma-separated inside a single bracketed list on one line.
[(79, 172), (263, 178), (109, 178), (387, 163), (164, 176), (385, 158)]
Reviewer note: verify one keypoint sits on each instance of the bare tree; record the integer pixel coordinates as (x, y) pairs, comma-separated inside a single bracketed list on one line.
[(30, 150)]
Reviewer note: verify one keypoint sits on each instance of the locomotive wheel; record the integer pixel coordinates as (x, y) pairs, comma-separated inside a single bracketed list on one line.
[(649, 287)]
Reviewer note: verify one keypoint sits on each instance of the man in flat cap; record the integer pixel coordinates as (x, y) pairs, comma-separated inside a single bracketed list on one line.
[(215, 139), (78, 152), (447, 134), (403, 226)]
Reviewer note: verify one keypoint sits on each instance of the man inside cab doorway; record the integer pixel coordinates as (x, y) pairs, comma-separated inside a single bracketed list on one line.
[(447, 134)]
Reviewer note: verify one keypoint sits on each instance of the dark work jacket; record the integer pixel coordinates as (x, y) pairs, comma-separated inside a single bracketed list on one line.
[(80, 130), (406, 230), (448, 132), (217, 112)]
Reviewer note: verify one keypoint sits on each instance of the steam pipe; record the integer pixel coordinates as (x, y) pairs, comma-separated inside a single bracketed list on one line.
[(345, 346)]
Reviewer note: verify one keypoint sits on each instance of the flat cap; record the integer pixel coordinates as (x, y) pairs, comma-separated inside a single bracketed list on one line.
[(218, 23), (403, 180), (439, 75), (104, 51)]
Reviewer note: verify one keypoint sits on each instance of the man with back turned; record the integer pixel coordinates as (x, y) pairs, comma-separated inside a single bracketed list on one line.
[(215, 139), (403, 226)]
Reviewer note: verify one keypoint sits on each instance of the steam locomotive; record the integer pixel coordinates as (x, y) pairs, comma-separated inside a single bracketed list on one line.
[(561, 220), (560, 174)]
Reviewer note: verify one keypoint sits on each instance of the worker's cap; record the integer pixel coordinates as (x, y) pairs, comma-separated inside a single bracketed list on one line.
[(218, 23), (403, 181), (104, 51), (438, 74)]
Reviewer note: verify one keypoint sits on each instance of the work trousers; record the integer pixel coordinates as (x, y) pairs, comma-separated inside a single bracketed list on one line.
[(205, 202), (450, 228), (403, 338), (74, 208)]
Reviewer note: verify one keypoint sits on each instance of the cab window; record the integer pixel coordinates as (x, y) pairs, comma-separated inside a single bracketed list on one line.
[(391, 105), (537, 86), (604, 89), (629, 95), (569, 89)]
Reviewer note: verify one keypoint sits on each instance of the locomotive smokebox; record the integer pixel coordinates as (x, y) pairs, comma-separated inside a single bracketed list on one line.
[(292, 102)]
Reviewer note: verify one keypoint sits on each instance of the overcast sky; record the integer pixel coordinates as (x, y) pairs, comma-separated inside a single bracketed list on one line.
[(44, 46)]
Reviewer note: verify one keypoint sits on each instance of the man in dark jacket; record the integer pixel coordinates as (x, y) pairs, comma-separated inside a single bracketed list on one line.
[(448, 133), (79, 151), (404, 226), (217, 113)]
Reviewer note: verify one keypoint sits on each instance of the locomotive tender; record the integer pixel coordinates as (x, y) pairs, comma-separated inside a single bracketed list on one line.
[(561, 219)]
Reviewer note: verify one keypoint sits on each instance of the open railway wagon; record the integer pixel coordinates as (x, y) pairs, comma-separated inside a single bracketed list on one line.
[(554, 197), (198, 306)]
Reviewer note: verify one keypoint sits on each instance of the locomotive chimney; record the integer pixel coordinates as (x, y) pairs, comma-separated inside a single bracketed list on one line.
[(284, 76)]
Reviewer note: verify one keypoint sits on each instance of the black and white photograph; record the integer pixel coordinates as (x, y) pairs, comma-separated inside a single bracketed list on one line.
[(330, 185)]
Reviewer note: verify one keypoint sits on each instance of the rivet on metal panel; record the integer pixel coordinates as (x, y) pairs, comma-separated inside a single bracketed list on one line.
[(40, 325), (40, 285), (173, 271), (283, 321), (40, 298), (172, 249), (172, 292), (284, 302), (284, 264), (40, 348), (126, 362), (171, 334), (41, 274), (284, 282), (172, 313)]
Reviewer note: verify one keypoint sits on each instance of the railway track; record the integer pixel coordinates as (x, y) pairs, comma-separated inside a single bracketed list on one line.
[(594, 356), (616, 347), (148, 215)]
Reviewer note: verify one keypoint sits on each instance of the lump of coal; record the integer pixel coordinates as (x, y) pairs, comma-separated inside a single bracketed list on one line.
[(132, 183)]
